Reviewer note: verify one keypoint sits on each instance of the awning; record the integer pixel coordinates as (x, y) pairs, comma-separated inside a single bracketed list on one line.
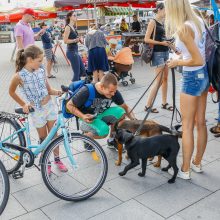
[(112, 11), (16, 15), (85, 3)]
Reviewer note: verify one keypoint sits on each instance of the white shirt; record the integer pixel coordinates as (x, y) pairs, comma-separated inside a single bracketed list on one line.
[(199, 41)]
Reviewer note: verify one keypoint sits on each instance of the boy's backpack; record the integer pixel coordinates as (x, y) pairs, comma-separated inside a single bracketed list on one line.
[(74, 87), (213, 57)]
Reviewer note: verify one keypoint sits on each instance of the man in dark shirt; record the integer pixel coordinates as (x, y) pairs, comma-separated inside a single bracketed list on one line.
[(136, 26), (106, 93)]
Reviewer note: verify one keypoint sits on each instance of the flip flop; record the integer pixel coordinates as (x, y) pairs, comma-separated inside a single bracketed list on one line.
[(52, 76), (167, 107), (153, 110), (215, 129)]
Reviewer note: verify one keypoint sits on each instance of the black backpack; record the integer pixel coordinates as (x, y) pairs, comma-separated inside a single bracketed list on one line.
[(213, 57)]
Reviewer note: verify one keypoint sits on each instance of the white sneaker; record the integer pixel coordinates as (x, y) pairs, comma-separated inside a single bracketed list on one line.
[(184, 175), (196, 168), (181, 174)]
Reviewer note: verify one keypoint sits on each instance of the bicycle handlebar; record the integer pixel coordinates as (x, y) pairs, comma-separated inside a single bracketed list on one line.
[(20, 111), (66, 95)]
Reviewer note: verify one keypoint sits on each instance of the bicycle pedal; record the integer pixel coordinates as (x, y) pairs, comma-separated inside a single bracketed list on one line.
[(17, 174)]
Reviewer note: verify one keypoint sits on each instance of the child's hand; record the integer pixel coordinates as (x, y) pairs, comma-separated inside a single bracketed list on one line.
[(26, 108)]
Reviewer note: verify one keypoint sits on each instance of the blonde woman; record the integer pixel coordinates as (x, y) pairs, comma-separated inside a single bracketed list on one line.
[(160, 56), (190, 33)]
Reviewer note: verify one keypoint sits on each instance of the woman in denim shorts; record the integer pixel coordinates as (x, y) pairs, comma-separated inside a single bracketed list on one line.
[(190, 39), (160, 56)]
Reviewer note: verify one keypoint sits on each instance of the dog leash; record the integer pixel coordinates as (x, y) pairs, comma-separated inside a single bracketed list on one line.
[(175, 110), (152, 103), (146, 91)]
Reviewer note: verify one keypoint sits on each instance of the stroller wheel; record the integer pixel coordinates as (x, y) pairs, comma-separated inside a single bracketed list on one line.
[(132, 81), (124, 83)]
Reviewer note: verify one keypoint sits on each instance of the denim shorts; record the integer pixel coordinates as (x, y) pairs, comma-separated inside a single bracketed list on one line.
[(159, 58), (195, 82)]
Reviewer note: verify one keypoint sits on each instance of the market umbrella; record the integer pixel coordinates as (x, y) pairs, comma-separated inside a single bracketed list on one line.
[(16, 15), (61, 3), (95, 3)]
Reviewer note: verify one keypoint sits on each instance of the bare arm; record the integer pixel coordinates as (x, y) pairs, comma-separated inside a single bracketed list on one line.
[(19, 41), (187, 38), (52, 91), (130, 114), (149, 32), (74, 110), (16, 80), (66, 36)]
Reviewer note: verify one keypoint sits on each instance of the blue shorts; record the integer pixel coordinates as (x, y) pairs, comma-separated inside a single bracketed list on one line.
[(195, 82), (159, 58)]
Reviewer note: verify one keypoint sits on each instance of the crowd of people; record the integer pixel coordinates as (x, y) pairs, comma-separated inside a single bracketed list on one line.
[(172, 19)]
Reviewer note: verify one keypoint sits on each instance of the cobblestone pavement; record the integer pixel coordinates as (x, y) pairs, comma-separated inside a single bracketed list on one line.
[(127, 197)]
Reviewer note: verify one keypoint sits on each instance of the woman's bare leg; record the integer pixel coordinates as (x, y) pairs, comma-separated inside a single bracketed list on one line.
[(201, 129), (188, 108), (154, 88)]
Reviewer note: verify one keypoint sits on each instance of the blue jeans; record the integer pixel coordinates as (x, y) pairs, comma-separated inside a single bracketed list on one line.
[(76, 64), (195, 82)]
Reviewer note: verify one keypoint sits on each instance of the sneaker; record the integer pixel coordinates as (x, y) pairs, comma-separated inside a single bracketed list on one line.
[(61, 166), (181, 174), (111, 143), (88, 147), (196, 168)]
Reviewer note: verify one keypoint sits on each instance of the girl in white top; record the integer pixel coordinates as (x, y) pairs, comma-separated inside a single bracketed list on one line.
[(190, 33)]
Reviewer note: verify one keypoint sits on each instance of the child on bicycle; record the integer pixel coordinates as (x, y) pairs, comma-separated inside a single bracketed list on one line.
[(36, 92)]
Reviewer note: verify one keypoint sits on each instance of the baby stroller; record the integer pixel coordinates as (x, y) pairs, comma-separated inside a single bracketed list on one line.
[(88, 77), (121, 64)]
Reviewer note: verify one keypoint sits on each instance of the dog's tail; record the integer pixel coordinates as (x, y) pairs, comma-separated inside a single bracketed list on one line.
[(164, 129), (173, 130)]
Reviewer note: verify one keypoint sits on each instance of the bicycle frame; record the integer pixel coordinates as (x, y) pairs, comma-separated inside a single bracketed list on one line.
[(37, 149)]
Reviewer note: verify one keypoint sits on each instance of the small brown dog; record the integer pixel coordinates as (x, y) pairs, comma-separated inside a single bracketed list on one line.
[(150, 128)]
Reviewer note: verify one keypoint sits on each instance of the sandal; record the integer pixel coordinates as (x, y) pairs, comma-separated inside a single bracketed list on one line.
[(52, 76), (215, 129), (153, 110), (167, 107)]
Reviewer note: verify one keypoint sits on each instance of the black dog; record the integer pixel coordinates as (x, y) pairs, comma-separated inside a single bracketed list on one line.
[(142, 148)]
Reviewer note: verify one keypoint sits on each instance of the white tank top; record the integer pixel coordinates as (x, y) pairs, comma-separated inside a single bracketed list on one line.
[(199, 41)]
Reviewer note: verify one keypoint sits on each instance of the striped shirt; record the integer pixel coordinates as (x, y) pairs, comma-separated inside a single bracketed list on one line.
[(33, 87)]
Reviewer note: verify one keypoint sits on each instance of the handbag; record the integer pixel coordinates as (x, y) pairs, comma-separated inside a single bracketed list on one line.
[(147, 49)]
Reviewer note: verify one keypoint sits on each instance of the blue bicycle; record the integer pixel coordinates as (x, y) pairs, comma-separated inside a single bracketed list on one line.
[(86, 173), (4, 188)]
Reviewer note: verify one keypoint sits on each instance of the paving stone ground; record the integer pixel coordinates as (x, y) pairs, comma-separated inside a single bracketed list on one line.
[(128, 197)]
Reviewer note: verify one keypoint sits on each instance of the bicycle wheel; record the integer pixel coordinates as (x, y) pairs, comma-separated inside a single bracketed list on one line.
[(4, 188), (8, 127), (80, 183)]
